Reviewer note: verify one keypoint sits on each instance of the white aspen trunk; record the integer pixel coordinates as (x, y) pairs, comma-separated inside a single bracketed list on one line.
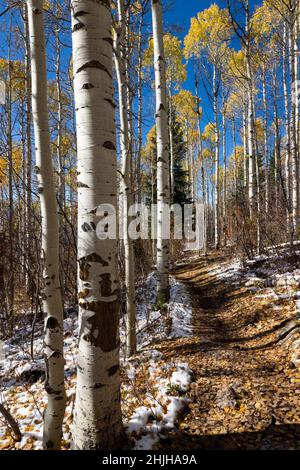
[(258, 205), (294, 165), (171, 144), (10, 271), (225, 169), (287, 160), (277, 143), (161, 119), (140, 112), (125, 184), (61, 176), (52, 301), (217, 161), (250, 114), (297, 89), (245, 160), (202, 169), (97, 416), (251, 155), (265, 110), (28, 197)]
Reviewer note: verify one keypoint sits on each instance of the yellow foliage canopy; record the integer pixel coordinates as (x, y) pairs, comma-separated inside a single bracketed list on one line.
[(175, 68)]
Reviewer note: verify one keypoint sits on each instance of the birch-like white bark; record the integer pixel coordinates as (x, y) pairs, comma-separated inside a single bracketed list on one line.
[(97, 416), (125, 183), (217, 160), (202, 169), (52, 301), (161, 119)]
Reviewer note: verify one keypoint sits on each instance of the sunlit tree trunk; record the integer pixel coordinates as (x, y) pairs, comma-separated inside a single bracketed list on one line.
[(125, 184), (217, 160), (52, 301), (97, 416), (28, 171), (294, 163), (60, 162), (161, 119), (202, 169), (225, 169), (245, 147), (266, 153)]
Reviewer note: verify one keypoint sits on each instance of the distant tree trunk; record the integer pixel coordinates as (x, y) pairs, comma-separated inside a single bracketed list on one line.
[(245, 147), (294, 172), (28, 171), (11, 276), (225, 169), (250, 113), (202, 170), (258, 192), (52, 303), (265, 120), (217, 161), (171, 144), (287, 161), (277, 142), (61, 176), (97, 416), (161, 119), (125, 185), (140, 112)]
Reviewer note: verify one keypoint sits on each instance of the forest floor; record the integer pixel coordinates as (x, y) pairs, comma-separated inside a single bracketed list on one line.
[(217, 368), (245, 392)]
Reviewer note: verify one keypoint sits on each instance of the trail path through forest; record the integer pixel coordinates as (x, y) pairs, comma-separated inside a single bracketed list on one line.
[(245, 392)]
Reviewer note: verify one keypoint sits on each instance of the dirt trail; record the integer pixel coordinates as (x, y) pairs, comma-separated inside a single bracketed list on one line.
[(245, 393)]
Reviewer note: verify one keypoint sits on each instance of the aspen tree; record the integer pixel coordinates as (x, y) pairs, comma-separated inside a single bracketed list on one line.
[(97, 416), (52, 300), (161, 119), (125, 184)]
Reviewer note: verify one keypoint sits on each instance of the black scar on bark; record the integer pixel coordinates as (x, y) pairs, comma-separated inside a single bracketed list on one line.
[(52, 323), (109, 145), (49, 445), (84, 270), (98, 385), (105, 3), (86, 227), (87, 86), (106, 285), (81, 185), (110, 102), (94, 64), (80, 13), (77, 27), (109, 40), (105, 320), (94, 258), (112, 370), (37, 11)]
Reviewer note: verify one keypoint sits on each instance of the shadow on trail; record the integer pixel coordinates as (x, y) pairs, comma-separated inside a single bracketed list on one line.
[(279, 437)]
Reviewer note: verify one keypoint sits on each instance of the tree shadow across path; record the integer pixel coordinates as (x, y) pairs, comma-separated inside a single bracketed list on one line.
[(244, 394)]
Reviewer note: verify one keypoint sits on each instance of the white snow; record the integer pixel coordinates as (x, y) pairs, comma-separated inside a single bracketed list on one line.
[(163, 410), (26, 401)]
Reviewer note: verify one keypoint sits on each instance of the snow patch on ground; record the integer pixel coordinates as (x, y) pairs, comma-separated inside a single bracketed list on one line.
[(21, 378), (163, 403)]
